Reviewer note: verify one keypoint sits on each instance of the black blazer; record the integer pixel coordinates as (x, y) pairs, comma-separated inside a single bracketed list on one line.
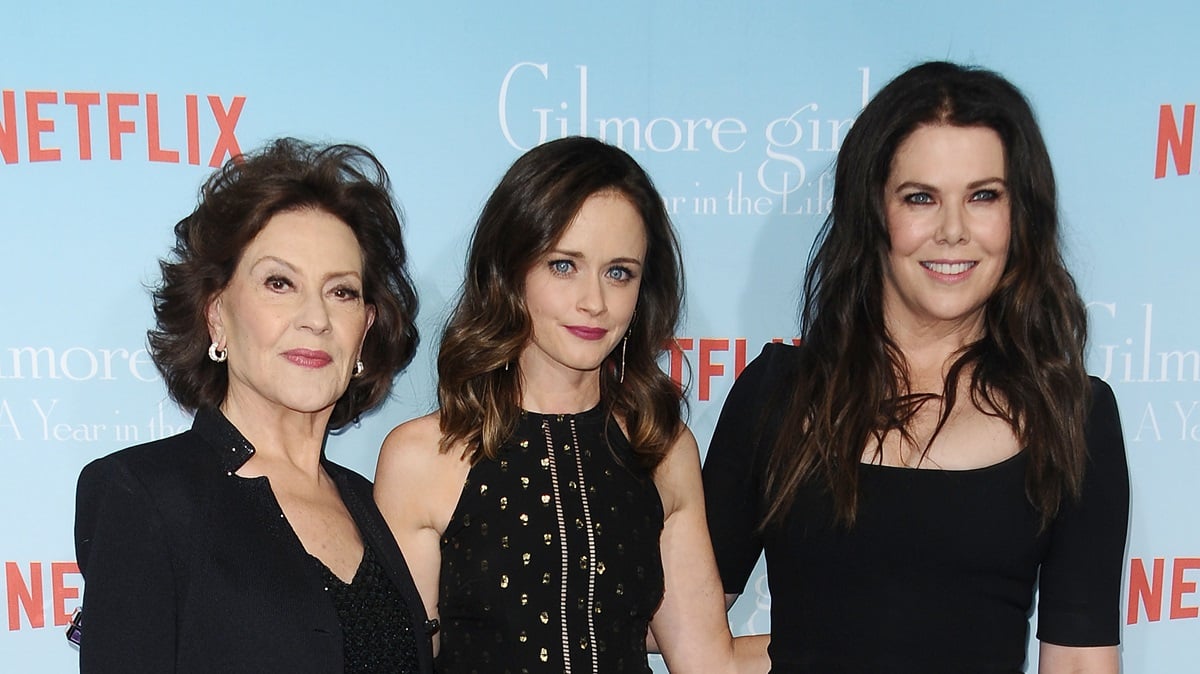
[(190, 568)]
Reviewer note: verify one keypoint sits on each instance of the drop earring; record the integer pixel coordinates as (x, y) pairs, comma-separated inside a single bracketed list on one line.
[(621, 376)]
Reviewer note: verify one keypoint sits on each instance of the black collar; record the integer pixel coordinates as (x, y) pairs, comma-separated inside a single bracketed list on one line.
[(233, 449)]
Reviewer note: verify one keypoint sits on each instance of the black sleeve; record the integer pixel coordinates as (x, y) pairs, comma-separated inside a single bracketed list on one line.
[(129, 594), (1080, 582), (732, 483)]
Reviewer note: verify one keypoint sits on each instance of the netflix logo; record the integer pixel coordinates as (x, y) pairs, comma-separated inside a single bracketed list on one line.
[(35, 589), (166, 131), (710, 358), (1176, 136), (1153, 587)]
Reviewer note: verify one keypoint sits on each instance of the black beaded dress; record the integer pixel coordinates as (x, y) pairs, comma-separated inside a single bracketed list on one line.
[(377, 627), (551, 562)]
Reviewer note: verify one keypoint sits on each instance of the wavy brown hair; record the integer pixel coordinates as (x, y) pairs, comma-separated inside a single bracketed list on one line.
[(236, 202), (1029, 364), (478, 392)]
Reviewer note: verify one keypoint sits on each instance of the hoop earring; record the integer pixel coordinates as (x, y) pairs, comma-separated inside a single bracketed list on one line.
[(358, 368), (217, 355), (621, 376)]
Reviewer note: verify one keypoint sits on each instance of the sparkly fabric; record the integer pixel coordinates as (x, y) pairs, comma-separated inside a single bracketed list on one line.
[(550, 562), (377, 632)]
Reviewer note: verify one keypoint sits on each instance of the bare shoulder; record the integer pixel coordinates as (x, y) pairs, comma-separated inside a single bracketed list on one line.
[(683, 451), (410, 457), (678, 476), (413, 447), (416, 436), (414, 480)]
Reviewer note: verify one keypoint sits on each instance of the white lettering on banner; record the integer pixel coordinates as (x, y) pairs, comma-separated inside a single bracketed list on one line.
[(76, 363), (759, 619), (1130, 362), (7, 422), (1184, 412), (1149, 423), (1188, 432), (66, 432), (660, 134), (54, 424), (162, 429), (782, 182), (1139, 359)]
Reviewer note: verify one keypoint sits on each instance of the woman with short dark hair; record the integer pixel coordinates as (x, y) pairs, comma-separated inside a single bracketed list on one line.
[(236, 546)]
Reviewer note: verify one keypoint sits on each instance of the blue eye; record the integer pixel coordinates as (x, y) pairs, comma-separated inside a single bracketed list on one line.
[(919, 198), (986, 195), (620, 274), (561, 267)]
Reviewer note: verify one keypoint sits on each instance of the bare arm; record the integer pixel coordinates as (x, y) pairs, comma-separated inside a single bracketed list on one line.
[(690, 626), (1055, 659), (416, 489)]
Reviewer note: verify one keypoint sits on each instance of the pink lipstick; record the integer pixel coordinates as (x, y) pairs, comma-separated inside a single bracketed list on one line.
[(308, 358), (585, 332)]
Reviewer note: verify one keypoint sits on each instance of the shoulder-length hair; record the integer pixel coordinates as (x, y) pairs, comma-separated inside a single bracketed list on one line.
[(536, 200), (1029, 363), (235, 204)]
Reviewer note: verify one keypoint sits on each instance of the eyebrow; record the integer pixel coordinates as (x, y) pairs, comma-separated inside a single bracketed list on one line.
[(912, 184), (579, 256), (292, 267)]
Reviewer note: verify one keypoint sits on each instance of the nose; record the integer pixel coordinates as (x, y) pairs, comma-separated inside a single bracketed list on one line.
[(313, 313), (591, 296), (952, 226)]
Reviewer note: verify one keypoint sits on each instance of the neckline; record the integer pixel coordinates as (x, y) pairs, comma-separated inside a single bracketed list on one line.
[(586, 415), (948, 471), (363, 561)]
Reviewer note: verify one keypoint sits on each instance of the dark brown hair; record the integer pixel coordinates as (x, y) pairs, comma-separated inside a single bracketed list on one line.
[(235, 204), (853, 385), (529, 210)]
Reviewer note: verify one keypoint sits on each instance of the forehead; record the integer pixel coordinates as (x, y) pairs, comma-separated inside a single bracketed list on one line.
[(308, 238), (949, 153), (606, 225)]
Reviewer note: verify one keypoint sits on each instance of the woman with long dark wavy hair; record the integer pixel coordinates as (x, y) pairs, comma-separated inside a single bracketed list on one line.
[(935, 447), (552, 508)]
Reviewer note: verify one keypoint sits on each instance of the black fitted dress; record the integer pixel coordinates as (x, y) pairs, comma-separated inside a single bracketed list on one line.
[(938, 572), (550, 562)]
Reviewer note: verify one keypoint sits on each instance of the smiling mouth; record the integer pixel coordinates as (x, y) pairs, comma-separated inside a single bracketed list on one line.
[(308, 358), (949, 268)]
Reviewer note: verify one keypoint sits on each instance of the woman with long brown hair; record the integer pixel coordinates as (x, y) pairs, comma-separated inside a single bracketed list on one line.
[(552, 508), (935, 447)]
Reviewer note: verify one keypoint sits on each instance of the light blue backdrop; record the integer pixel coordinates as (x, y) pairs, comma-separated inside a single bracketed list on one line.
[(735, 108)]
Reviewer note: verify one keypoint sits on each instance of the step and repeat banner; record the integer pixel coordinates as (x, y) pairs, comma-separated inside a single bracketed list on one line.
[(112, 114)]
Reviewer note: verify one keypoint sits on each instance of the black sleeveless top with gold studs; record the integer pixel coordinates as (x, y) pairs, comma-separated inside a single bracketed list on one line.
[(550, 562)]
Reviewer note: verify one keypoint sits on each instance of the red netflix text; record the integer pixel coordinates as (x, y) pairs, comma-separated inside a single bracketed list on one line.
[(712, 356), (121, 114), (1175, 136), (33, 588), (1148, 589)]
